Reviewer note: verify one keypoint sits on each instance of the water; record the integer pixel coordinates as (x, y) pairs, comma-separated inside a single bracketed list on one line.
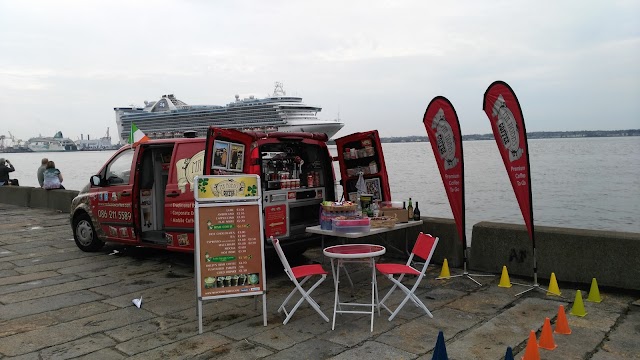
[(589, 183)]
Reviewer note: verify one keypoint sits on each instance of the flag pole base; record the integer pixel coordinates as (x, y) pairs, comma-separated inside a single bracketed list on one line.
[(535, 286), (466, 275)]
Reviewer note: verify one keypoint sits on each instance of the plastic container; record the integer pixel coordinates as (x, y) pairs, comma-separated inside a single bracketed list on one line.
[(362, 225)]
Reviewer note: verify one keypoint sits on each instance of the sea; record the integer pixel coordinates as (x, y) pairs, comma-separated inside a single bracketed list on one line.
[(585, 183)]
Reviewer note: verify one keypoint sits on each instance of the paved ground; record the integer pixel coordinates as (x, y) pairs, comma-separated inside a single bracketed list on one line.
[(57, 302)]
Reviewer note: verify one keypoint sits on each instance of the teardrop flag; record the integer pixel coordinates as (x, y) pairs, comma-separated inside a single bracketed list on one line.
[(503, 110), (441, 122)]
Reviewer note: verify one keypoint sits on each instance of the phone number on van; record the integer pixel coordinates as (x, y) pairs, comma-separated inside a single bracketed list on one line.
[(111, 214)]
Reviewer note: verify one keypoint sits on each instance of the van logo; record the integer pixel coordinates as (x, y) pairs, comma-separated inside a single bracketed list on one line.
[(230, 188), (187, 169)]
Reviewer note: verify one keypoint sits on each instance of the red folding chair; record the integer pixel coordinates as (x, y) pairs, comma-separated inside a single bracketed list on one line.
[(424, 247), (304, 272)]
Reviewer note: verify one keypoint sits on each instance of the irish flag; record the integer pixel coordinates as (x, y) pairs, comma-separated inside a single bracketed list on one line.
[(137, 136)]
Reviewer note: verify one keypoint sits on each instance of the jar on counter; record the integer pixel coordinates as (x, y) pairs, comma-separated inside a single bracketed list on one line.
[(310, 180), (316, 179), (373, 167)]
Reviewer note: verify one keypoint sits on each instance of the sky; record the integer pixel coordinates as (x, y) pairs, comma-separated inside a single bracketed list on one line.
[(574, 65)]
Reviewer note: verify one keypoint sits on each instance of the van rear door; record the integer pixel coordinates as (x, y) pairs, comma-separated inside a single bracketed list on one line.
[(227, 152), (362, 153)]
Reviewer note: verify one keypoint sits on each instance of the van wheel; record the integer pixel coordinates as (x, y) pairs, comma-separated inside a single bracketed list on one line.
[(85, 235)]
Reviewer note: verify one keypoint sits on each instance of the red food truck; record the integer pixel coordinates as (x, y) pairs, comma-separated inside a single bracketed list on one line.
[(143, 195)]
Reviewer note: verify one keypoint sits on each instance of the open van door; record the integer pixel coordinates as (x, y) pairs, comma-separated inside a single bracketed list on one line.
[(227, 152), (362, 152)]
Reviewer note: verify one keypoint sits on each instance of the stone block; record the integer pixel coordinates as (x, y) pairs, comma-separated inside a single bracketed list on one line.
[(15, 195), (61, 199), (574, 255)]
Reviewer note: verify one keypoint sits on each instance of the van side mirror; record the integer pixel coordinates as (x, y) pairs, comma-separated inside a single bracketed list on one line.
[(95, 180)]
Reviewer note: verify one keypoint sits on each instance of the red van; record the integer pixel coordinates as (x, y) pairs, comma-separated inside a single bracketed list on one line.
[(143, 195)]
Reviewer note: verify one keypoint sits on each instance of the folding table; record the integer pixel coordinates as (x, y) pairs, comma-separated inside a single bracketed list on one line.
[(374, 231), (364, 253)]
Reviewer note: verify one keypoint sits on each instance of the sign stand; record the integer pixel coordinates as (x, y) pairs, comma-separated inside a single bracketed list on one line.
[(229, 241)]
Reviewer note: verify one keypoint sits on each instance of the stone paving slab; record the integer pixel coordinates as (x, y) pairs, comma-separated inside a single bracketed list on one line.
[(31, 341), (50, 318), (59, 302), (40, 305), (186, 348), (56, 289), (374, 350)]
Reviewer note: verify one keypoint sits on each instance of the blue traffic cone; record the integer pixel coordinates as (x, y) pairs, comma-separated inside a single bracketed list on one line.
[(509, 354), (440, 351)]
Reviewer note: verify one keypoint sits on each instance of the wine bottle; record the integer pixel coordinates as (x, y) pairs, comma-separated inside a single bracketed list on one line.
[(416, 212), (410, 210)]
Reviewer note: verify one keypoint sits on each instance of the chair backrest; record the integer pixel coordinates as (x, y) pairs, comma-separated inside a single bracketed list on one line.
[(283, 259), (424, 247)]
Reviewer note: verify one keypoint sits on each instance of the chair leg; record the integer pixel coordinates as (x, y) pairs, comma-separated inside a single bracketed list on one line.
[(305, 296), (286, 300), (410, 295), (381, 302)]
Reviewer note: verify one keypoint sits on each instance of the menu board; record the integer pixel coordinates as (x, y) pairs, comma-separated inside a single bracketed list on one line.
[(230, 250)]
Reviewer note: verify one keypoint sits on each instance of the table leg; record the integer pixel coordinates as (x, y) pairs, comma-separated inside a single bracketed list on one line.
[(373, 289), (336, 281)]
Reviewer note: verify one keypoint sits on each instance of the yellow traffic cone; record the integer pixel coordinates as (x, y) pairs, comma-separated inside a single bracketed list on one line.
[(594, 293), (504, 279), (553, 286), (445, 274), (578, 306)]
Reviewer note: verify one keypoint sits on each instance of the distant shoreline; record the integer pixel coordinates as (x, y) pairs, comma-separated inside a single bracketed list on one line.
[(530, 135)]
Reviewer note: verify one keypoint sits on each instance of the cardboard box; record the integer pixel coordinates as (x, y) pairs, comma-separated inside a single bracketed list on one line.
[(402, 215)]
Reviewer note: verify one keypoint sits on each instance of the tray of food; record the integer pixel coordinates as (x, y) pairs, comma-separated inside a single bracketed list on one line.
[(338, 207), (383, 221)]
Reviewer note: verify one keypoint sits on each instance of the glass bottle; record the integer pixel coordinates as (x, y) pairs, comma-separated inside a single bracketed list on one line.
[(416, 213), (410, 210)]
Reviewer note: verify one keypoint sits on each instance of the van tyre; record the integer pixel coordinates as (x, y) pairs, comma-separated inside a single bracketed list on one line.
[(85, 235)]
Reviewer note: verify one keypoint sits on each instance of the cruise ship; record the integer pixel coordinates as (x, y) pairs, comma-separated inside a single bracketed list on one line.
[(170, 117)]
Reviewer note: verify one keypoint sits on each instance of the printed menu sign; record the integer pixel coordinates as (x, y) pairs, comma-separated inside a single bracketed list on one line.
[(275, 220), (230, 250)]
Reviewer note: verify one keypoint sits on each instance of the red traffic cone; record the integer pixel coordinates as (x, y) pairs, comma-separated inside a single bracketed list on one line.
[(546, 336), (531, 352), (562, 325)]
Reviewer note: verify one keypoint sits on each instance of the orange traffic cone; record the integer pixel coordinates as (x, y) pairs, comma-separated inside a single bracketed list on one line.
[(504, 279), (546, 336), (562, 325), (531, 352)]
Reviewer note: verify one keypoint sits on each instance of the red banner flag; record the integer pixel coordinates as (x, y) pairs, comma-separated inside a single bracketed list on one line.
[(503, 109), (441, 122)]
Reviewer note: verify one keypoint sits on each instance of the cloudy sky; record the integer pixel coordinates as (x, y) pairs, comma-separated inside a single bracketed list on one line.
[(574, 65)]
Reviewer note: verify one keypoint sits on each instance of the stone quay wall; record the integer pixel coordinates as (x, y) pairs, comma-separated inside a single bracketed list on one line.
[(574, 255)]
